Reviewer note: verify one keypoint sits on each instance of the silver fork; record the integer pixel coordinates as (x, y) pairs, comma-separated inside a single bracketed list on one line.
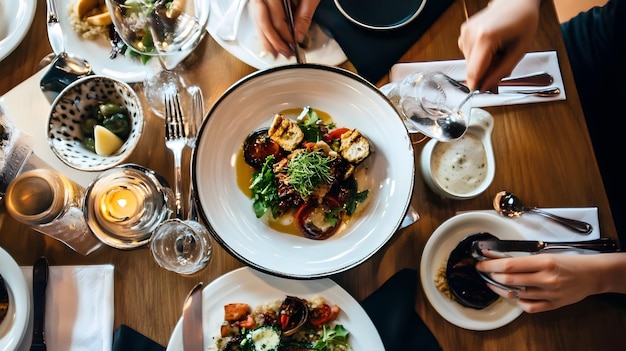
[(175, 140), (193, 123)]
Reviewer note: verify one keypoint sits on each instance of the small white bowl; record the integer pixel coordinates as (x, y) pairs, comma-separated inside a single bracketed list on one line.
[(70, 107), (445, 178)]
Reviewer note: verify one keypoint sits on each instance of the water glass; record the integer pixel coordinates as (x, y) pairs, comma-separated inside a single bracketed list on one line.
[(181, 246), (125, 204), (433, 104)]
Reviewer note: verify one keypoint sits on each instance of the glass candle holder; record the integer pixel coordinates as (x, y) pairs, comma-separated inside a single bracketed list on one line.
[(125, 204)]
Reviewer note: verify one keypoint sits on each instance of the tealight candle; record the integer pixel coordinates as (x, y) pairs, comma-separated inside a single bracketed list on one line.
[(120, 203)]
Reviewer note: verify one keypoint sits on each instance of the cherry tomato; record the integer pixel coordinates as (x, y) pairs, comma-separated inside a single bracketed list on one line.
[(311, 218), (320, 315), (335, 134), (258, 146)]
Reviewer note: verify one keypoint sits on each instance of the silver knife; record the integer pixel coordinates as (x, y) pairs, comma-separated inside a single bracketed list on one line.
[(54, 28), (601, 245), (193, 337), (40, 284)]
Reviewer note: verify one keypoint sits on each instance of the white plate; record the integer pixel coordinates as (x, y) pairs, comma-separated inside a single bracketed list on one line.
[(248, 47), (16, 16), (14, 325), (443, 240), (96, 52), (352, 102), (255, 288)]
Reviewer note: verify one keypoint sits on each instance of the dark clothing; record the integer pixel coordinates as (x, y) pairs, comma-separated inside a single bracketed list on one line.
[(596, 41)]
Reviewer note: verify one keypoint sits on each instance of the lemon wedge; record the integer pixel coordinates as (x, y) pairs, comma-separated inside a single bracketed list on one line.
[(106, 143), (82, 7)]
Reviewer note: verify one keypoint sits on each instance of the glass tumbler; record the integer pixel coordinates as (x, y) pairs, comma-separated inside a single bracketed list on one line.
[(125, 204), (181, 246), (432, 103)]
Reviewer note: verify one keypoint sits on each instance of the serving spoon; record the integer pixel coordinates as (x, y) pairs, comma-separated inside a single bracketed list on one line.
[(509, 205)]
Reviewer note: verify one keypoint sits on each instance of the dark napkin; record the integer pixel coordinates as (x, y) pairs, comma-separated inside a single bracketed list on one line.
[(392, 310), (126, 338), (373, 52)]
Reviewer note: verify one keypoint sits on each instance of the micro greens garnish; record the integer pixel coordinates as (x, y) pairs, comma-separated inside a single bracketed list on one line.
[(331, 338), (307, 170)]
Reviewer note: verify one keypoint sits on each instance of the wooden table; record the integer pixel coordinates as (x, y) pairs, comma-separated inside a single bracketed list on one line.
[(543, 153)]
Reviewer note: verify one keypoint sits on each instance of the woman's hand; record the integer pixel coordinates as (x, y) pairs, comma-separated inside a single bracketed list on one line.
[(496, 38), (557, 280), (272, 26)]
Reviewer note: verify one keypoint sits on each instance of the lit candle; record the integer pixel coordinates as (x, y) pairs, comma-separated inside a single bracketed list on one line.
[(120, 204)]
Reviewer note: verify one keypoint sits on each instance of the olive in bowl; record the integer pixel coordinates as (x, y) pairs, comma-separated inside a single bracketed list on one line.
[(95, 123)]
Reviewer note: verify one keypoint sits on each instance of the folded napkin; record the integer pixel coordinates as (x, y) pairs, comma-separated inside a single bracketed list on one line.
[(531, 63), (79, 308), (373, 52), (536, 227), (392, 310), (126, 338)]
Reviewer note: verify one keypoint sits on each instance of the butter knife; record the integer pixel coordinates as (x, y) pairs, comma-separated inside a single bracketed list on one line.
[(601, 245), (40, 283), (193, 338), (54, 28)]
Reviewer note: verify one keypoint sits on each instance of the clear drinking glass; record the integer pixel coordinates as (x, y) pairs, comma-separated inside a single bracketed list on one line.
[(125, 204), (432, 103), (168, 30), (181, 246)]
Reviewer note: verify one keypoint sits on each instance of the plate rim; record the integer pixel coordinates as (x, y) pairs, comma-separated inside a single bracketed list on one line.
[(16, 36), (17, 281), (320, 273), (427, 283), (241, 274), (350, 18)]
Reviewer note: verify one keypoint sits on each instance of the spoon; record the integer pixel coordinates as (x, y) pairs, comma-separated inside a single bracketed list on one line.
[(508, 204)]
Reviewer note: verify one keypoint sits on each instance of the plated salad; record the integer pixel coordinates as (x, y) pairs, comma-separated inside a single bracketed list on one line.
[(291, 324), (306, 168)]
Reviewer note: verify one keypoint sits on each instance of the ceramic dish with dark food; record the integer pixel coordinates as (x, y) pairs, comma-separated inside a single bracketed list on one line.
[(447, 255), (14, 303), (221, 178), (304, 168), (292, 323), (248, 298)]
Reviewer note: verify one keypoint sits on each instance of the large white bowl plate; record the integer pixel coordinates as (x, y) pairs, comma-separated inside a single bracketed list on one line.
[(352, 102), (255, 288), (14, 325), (436, 252), (16, 16)]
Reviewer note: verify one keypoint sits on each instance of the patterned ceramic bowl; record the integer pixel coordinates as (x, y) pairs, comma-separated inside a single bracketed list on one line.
[(74, 105)]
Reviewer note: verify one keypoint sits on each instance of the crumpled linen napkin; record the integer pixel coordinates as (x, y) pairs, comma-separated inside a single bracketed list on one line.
[(79, 308), (392, 310), (373, 52), (536, 227), (532, 62)]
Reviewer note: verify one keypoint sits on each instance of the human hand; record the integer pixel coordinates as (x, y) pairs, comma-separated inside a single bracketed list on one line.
[(551, 280), (273, 28), (496, 38)]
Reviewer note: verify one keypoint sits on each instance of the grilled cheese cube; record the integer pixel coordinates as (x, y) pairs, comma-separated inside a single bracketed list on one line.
[(354, 146), (285, 133)]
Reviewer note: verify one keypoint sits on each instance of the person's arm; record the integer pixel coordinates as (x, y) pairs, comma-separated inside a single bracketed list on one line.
[(556, 280), (272, 26), (496, 38)]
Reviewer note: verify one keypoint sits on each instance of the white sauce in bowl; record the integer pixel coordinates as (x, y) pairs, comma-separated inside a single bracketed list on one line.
[(459, 167)]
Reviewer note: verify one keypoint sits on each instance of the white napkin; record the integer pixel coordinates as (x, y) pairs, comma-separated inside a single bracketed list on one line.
[(536, 227), (531, 63), (79, 308)]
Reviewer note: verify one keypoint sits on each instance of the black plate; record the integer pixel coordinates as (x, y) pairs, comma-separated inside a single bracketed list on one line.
[(380, 14)]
